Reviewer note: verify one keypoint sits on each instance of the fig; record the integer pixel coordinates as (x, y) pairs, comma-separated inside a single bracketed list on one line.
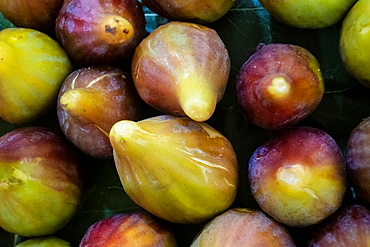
[(239, 227), (90, 101), (41, 65), (191, 11), (40, 181), (350, 226), (354, 42), (298, 176), (182, 69), (44, 242), (176, 168), (135, 229), (100, 32), (35, 14), (308, 14), (358, 157), (279, 85)]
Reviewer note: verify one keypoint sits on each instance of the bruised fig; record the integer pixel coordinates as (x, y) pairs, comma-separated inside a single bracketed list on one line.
[(182, 69), (136, 229), (350, 226), (90, 101), (358, 159), (193, 11), (240, 227), (298, 176), (279, 85), (40, 181), (178, 169), (100, 32), (35, 14)]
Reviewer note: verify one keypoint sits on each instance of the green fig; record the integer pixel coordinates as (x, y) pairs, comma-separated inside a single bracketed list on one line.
[(182, 69), (44, 242), (176, 168), (354, 42)]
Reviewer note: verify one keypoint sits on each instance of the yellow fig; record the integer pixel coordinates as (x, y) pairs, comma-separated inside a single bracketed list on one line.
[(32, 69), (176, 168)]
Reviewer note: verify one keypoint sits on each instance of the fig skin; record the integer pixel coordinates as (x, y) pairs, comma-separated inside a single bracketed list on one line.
[(41, 65), (279, 85), (308, 14), (182, 69), (298, 176), (40, 181), (191, 175), (90, 101), (358, 157), (239, 227), (202, 12), (354, 42), (44, 242), (350, 226), (100, 32), (136, 229), (34, 14)]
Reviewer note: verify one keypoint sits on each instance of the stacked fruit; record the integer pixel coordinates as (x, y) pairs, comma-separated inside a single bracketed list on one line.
[(147, 102)]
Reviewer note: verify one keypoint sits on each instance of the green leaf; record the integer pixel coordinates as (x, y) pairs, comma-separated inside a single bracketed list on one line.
[(4, 23)]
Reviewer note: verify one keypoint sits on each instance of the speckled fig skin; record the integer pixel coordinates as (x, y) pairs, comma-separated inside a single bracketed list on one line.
[(240, 227), (202, 12), (190, 176), (354, 42), (135, 229), (358, 159), (182, 69), (350, 226), (279, 85), (308, 14), (100, 32), (298, 176), (36, 14), (90, 101), (40, 181)]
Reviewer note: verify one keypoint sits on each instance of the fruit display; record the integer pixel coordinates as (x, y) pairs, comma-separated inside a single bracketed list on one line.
[(279, 85), (156, 122)]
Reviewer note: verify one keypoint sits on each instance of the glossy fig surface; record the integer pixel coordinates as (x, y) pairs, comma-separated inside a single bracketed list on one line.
[(32, 69), (298, 176), (136, 229), (203, 12), (100, 32), (178, 169), (279, 85), (90, 101), (182, 69), (40, 181), (239, 227), (358, 159)]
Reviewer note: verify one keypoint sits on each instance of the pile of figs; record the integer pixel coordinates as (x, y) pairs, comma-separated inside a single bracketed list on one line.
[(169, 123)]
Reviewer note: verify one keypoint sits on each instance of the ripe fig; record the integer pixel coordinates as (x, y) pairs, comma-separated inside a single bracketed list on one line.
[(176, 168), (100, 32), (354, 42), (182, 69), (41, 66), (350, 226), (192, 11), (136, 229), (309, 14), (239, 227), (40, 181), (279, 85), (90, 101), (298, 176), (35, 14), (358, 159), (44, 242)]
